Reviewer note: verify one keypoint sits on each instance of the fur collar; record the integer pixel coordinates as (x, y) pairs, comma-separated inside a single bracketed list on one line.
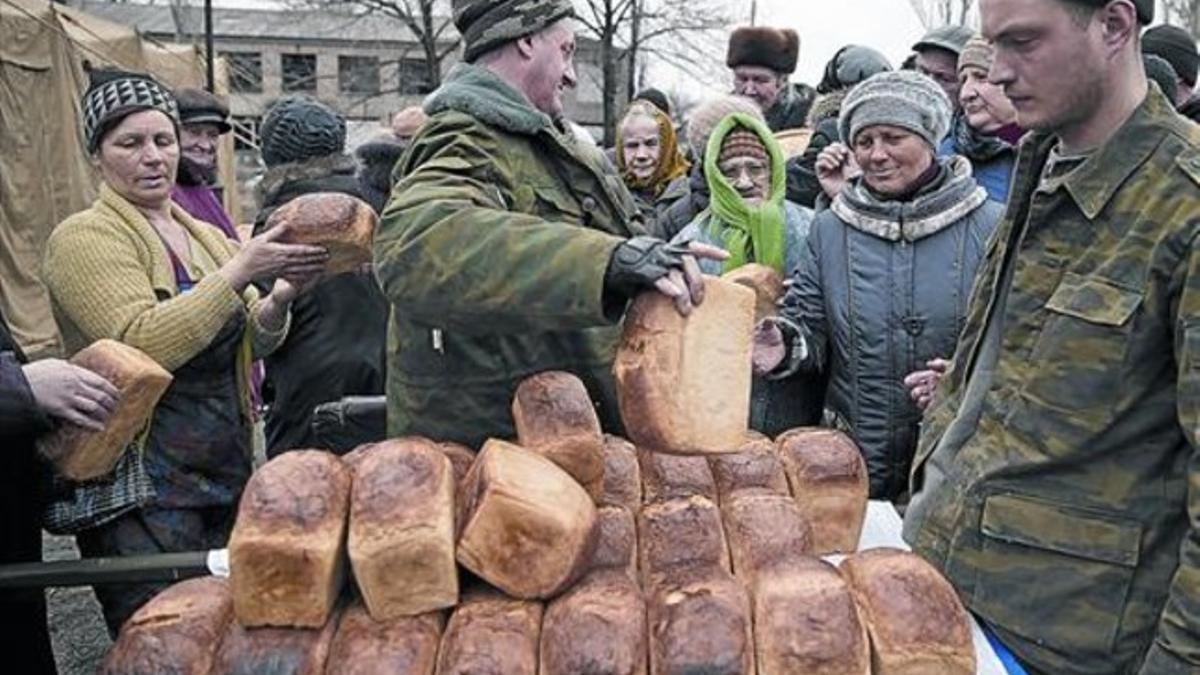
[(476, 91), (311, 169)]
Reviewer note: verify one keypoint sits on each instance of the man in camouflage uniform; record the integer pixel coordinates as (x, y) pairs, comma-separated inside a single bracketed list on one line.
[(1057, 482), (508, 248)]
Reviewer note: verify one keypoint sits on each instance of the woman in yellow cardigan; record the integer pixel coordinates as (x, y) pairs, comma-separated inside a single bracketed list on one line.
[(134, 267)]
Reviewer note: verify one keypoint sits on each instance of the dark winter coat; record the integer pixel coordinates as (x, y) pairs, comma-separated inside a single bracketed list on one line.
[(335, 344), (802, 185), (791, 108), (25, 639), (882, 289), (692, 199), (376, 160)]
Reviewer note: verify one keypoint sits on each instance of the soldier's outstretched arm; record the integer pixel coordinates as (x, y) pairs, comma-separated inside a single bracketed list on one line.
[(1176, 647), (452, 250)]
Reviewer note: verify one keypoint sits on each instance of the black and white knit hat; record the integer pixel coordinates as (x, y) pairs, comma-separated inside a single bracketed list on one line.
[(902, 98), (114, 94)]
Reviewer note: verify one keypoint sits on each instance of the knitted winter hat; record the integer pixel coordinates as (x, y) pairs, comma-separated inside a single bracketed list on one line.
[(849, 66), (706, 116), (297, 128), (487, 24), (774, 48), (197, 106), (977, 53), (113, 95), (742, 142), (902, 99), (1175, 46), (1161, 73)]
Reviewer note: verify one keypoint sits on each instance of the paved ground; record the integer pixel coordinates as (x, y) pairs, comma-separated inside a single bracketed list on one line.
[(76, 627)]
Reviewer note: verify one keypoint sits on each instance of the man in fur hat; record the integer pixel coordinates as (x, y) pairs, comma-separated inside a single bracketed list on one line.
[(762, 60)]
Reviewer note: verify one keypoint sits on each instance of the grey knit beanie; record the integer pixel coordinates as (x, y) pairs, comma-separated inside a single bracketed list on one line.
[(297, 128), (902, 98)]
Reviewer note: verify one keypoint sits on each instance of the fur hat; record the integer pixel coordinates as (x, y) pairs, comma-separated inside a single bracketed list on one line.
[(902, 99), (407, 122), (707, 115), (197, 106), (112, 95), (774, 48), (297, 128), (488, 24), (1177, 47)]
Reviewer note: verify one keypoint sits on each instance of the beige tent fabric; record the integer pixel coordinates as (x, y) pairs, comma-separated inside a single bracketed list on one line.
[(45, 173)]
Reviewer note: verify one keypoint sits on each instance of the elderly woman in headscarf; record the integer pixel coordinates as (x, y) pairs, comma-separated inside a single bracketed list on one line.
[(649, 159), (887, 270), (986, 130), (749, 218), (138, 269)]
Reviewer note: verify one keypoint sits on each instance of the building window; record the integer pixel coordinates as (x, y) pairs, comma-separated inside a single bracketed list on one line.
[(413, 77), (245, 71), (300, 73), (358, 74), (245, 132)]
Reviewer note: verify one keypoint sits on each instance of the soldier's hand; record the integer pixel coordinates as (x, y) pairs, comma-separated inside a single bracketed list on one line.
[(923, 384), (70, 393), (643, 263)]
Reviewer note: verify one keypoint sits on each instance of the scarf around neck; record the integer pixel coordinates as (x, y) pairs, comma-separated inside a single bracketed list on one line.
[(750, 233)]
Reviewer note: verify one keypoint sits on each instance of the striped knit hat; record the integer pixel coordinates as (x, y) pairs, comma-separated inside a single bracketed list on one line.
[(742, 142), (113, 95)]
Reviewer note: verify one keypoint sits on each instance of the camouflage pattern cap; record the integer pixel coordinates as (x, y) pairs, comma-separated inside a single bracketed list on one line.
[(487, 24)]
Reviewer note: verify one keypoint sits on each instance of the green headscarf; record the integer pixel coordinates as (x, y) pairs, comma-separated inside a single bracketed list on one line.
[(750, 234)]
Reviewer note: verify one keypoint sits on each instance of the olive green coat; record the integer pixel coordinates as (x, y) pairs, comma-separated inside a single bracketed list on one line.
[(1069, 520), (492, 252)]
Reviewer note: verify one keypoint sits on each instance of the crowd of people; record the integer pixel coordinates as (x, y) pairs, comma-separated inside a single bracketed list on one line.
[(993, 286)]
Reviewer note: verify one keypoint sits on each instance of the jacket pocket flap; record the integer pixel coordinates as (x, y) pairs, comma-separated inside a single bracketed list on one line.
[(1094, 300), (1054, 527)]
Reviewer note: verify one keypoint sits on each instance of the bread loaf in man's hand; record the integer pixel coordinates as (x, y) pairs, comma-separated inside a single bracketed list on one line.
[(766, 283), (80, 454), (343, 224), (683, 383)]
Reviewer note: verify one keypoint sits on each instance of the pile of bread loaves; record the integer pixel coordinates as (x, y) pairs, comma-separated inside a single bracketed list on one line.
[(567, 552)]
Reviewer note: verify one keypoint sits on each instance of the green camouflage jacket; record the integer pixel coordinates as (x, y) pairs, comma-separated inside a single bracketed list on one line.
[(1070, 520), (492, 252)]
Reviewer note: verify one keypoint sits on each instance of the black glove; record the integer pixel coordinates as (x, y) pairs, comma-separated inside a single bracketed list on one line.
[(350, 422), (638, 263)]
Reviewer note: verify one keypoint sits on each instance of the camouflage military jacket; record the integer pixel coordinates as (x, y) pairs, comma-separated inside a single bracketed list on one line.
[(492, 252), (1070, 520)]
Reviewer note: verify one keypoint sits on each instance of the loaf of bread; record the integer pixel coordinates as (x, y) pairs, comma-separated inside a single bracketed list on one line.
[(683, 383), (679, 535), (555, 417), (766, 283), (527, 527), (917, 624), (401, 539), (178, 631), (461, 458), (79, 454), (700, 625), (343, 224), (753, 469), (490, 634), (287, 549), (805, 621), (622, 476), (666, 477), (829, 482), (616, 546), (275, 651), (404, 646), (596, 628), (766, 533)]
